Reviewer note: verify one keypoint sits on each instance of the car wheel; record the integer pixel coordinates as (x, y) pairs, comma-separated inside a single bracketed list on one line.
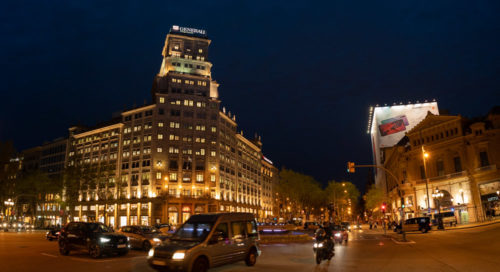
[(251, 258), (146, 245), (200, 265), (63, 248), (95, 251)]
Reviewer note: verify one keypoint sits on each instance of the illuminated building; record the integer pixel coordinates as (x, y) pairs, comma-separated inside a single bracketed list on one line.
[(451, 160), (178, 156)]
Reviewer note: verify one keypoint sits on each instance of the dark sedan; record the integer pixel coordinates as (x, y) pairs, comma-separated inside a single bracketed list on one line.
[(96, 238)]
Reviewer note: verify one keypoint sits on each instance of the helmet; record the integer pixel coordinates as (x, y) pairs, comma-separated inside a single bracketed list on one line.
[(320, 232)]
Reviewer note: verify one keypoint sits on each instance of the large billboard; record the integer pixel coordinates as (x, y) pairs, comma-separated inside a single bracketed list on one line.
[(389, 125)]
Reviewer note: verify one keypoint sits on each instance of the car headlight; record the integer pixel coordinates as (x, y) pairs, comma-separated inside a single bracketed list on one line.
[(47, 233), (104, 240), (337, 234), (157, 240), (178, 256), (151, 252), (128, 239)]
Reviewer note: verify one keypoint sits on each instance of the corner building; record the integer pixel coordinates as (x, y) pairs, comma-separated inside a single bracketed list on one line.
[(180, 155)]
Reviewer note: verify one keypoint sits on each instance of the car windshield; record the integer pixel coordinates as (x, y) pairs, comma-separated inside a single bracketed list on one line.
[(148, 230), (96, 227), (192, 231)]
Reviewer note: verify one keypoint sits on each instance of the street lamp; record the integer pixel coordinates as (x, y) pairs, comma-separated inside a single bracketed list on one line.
[(425, 155), (437, 196)]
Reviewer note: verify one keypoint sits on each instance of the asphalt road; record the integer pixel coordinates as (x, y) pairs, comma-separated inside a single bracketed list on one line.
[(476, 249)]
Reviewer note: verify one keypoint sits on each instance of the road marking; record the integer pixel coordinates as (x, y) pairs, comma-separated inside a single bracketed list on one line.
[(403, 243), (91, 261), (48, 255)]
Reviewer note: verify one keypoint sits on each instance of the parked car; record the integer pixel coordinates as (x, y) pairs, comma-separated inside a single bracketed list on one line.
[(96, 238), (164, 228), (143, 237), (208, 240), (340, 234), (422, 224), (53, 234)]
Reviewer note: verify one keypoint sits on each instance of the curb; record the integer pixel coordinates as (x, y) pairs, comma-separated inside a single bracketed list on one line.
[(477, 226)]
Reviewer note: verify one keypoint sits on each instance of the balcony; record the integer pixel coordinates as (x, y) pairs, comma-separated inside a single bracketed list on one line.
[(491, 167), (444, 177)]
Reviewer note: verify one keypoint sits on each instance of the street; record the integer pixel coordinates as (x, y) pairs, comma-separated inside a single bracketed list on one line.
[(475, 249)]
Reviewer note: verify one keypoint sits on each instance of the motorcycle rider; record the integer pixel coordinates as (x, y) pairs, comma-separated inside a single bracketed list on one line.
[(328, 236)]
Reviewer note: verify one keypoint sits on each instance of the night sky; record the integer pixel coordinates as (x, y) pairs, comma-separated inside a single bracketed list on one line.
[(301, 75)]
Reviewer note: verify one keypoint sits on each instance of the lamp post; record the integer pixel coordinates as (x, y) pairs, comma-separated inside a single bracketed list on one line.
[(437, 196), (425, 155)]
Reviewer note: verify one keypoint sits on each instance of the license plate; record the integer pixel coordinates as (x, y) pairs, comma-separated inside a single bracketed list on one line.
[(122, 246), (157, 262)]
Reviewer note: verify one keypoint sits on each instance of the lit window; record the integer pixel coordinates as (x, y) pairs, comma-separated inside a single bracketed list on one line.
[(160, 124), (200, 50), (159, 150), (199, 177), (212, 178), (162, 100), (213, 153), (158, 175), (160, 136)]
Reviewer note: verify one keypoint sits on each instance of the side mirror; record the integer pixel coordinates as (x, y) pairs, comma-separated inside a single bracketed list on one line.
[(216, 237)]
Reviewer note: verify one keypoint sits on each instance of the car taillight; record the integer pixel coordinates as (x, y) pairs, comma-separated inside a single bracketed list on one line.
[(430, 224)]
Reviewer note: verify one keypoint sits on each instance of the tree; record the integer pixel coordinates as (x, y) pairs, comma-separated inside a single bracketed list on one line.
[(299, 193), (374, 198), (33, 188), (343, 195)]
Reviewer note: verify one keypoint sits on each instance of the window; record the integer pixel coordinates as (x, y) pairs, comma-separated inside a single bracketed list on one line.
[(440, 167), (199, 177), (173, 176), (251, 229), (160, 136), (458, 164), (223, 229), (162, 100), (158, 175), (212, 178), (483, 156), (159, 150), (422, 172), (213, 153), (160, 124), (238, 229)]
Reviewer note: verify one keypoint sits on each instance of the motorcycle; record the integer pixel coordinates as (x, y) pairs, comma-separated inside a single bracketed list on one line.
[(322, 247)]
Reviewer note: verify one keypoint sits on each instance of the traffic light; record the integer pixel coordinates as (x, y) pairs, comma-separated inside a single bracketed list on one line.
[(383, 207), (350, 167)]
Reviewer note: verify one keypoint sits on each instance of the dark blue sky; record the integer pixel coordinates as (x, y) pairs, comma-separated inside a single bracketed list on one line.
[(301, 74)]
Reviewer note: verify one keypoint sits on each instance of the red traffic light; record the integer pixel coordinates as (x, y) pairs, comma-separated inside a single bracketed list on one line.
[(382, 207)]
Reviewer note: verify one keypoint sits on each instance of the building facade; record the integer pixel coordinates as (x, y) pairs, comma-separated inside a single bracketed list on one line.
[(180, 155), (447, 164)]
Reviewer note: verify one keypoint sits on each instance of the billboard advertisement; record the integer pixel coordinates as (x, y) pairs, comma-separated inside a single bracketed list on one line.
[(389, 125)]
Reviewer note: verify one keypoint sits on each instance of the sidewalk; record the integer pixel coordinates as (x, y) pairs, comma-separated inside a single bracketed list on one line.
[(470, 225)]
